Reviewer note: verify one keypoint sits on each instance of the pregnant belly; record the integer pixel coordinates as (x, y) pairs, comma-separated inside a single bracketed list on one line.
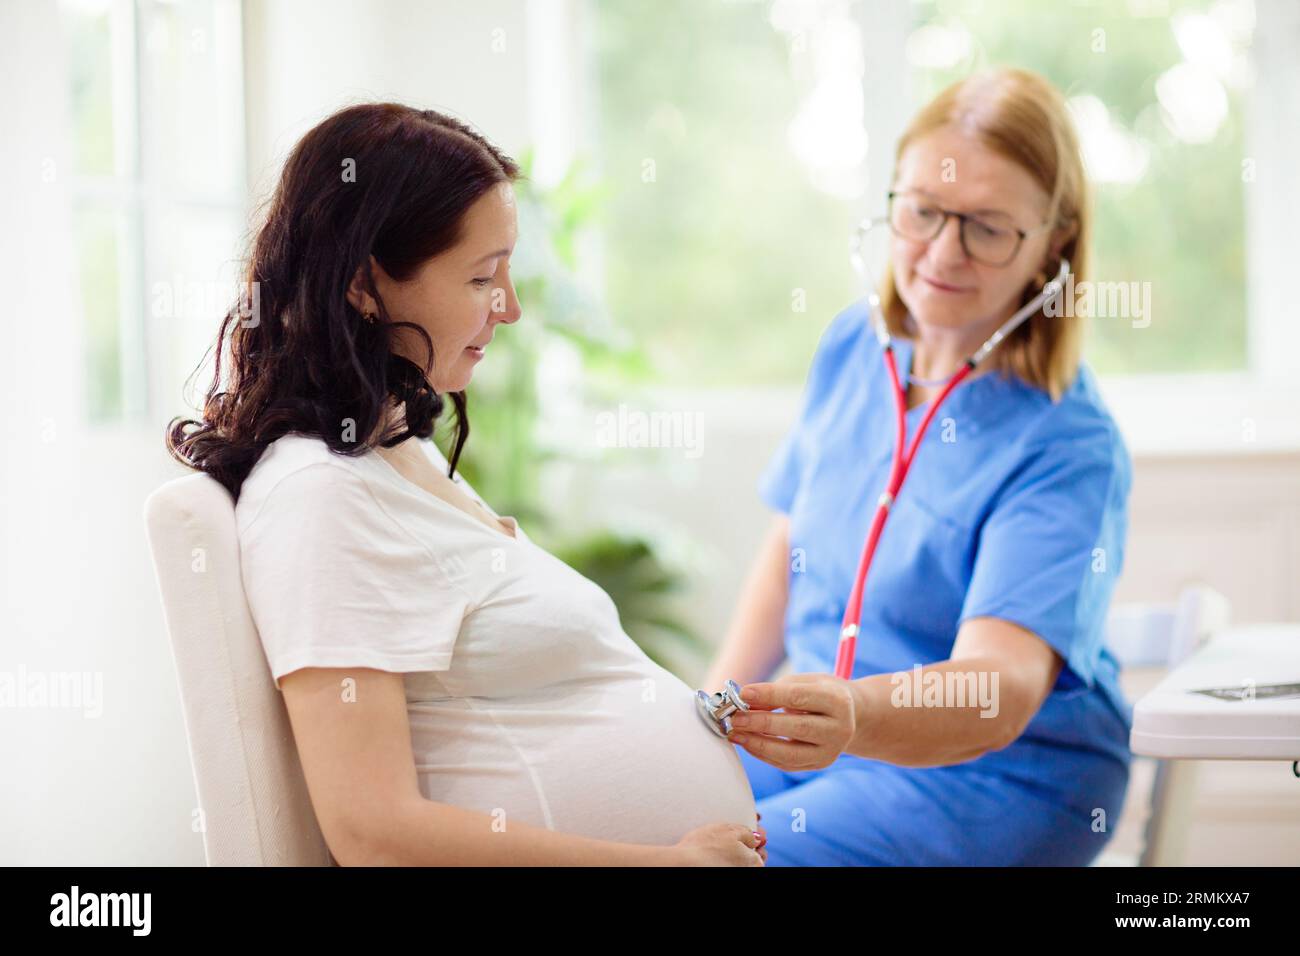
[(627, 760)]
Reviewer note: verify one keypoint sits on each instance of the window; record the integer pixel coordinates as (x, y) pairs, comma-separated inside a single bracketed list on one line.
[(740, 140), (155, 94), (724, 257), (1158, 90)]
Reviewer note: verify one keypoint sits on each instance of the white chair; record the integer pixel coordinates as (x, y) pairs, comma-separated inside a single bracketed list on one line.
[(1146, 636), (251, 790)]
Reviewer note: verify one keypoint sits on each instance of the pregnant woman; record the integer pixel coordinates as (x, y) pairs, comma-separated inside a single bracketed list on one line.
[(458, 696)]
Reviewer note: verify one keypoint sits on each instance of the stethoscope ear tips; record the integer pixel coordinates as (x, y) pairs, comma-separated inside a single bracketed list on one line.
[(716, 709)]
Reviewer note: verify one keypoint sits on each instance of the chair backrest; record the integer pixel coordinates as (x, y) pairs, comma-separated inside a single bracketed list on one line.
[(252, 794), (1162, 635), (1166, 635)]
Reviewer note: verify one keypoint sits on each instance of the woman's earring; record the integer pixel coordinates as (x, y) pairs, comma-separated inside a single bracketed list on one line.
[(371, 316)]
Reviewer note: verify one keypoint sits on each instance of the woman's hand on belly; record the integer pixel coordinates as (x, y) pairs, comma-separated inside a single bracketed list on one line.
[(722, 844), (817, 720)]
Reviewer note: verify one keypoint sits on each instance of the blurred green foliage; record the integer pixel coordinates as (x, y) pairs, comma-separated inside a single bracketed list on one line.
[(1181, 226), (702, 261)]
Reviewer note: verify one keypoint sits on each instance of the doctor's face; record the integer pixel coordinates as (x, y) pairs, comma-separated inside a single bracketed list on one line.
[(938, 282), (460, 295)]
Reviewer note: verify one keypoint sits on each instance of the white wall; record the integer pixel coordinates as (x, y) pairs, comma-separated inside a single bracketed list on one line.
[(307, 58)]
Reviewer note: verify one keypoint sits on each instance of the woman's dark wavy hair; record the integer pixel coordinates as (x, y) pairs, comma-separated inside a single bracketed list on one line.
[(378, 178)]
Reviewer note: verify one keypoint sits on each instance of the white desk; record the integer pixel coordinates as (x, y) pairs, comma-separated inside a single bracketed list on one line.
[(1172, 722)]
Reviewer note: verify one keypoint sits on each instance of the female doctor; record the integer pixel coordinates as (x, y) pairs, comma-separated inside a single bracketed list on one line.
[(983, 723)]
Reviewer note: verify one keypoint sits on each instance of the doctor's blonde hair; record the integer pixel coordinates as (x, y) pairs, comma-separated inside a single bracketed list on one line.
[(1022, 117)]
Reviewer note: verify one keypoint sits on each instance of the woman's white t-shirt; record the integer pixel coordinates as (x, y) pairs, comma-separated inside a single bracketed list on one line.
[(526, 698)]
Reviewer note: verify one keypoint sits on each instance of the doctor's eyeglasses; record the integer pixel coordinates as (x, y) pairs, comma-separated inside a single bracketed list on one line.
[(990, 239)]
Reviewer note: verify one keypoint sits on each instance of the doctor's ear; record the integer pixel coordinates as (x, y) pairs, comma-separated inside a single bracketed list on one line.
[(1061, 237), (1052, 259)]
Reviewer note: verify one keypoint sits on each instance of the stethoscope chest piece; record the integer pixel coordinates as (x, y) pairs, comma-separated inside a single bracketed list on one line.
[(716, 709)]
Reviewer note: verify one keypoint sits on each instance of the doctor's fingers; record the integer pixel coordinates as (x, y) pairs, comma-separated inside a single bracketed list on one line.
[(801, 693), (788, 755), (809, 728)]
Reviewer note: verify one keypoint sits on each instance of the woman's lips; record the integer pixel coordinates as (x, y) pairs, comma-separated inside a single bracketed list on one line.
[(941, 286), (475, 350)]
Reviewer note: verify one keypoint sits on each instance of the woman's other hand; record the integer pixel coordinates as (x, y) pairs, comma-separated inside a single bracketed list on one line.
[(723, 844)]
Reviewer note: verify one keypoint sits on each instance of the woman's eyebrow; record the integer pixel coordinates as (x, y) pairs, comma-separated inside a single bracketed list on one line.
[(491, 255)]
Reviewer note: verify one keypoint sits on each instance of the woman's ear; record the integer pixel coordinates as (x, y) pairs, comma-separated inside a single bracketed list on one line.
[(359, 296)]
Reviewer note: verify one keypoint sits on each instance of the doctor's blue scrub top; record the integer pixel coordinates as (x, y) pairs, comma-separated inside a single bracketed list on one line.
[(1015, 507)]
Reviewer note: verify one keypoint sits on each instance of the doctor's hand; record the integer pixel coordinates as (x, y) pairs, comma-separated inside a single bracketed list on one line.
[(800, 722)]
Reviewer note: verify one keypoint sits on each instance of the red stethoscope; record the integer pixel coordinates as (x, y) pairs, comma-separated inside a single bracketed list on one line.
[(716, 709), (902, 462)]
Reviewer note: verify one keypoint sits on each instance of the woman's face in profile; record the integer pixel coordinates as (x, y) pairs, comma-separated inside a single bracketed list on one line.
[(460, 295), (937, 281)]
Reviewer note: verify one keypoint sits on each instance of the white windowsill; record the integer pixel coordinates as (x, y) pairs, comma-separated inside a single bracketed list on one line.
[(1208, 414), (1159, 415)]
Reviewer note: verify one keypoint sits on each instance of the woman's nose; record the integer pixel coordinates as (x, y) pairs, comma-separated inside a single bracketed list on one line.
[(511, 309)]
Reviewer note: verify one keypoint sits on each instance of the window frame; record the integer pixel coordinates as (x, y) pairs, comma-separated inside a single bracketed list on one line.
[(131, 195)]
